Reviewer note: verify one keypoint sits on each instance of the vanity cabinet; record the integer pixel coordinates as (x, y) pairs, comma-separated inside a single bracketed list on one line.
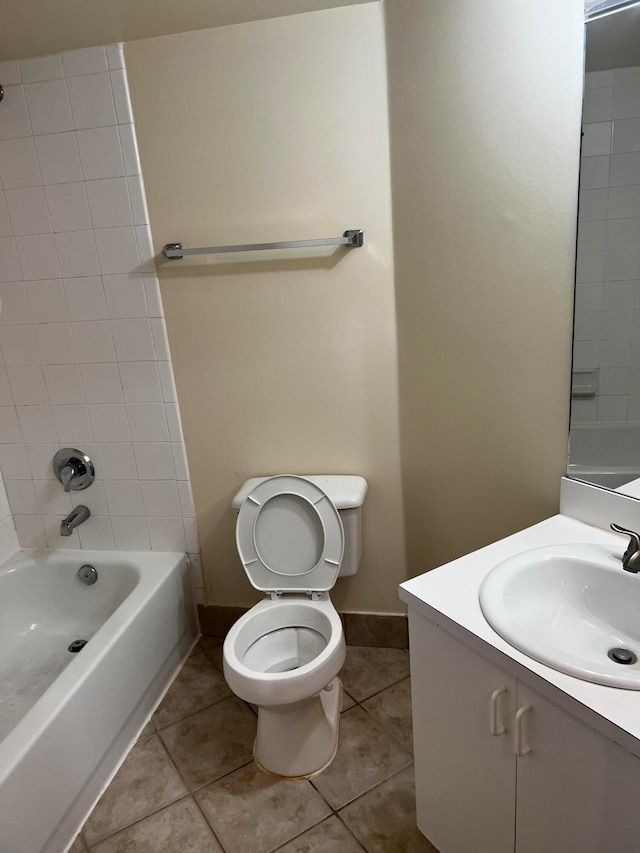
[(500, 768)]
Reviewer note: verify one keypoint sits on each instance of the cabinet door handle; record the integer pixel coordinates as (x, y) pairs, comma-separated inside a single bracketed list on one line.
[(522, 748), (497, 728)]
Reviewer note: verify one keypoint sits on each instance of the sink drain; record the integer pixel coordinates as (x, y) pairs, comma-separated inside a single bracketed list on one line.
[(77, 645), (624, 656)]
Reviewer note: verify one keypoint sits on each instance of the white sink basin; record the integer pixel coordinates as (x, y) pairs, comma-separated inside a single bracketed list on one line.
[(567, 606)]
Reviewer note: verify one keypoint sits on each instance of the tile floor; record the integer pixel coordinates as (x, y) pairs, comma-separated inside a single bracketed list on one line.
[(189, 785)]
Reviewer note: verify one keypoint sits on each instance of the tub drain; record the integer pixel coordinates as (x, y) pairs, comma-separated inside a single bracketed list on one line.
[(625, 656), (77, 645)]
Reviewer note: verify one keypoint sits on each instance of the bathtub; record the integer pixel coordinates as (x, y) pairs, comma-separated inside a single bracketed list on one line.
[(67, 720)]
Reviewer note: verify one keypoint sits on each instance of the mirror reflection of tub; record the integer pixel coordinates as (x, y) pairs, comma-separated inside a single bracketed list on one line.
[(68, 720), (605, 454)]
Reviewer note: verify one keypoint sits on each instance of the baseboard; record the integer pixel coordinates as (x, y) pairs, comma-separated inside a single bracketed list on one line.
[(387, 630)]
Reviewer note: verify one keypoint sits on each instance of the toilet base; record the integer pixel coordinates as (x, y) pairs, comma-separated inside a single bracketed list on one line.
[(300, 740)]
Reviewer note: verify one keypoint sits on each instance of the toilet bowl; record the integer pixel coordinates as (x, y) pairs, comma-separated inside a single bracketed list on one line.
[(285, 653)]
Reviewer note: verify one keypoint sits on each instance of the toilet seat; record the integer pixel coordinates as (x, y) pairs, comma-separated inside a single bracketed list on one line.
[(289, 536)]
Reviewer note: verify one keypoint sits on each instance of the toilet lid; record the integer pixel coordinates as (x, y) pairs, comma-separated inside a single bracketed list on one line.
[(289, 536)]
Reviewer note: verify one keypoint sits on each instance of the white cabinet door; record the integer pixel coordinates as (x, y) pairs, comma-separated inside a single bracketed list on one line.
[(465, 768), (576, 788)]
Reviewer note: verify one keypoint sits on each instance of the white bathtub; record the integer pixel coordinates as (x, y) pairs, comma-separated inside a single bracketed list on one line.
[(607, 454), (68, 720)]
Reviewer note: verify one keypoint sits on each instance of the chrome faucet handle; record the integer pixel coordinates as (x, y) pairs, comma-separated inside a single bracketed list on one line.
[(73, 468), (66, 476), (631, 557)]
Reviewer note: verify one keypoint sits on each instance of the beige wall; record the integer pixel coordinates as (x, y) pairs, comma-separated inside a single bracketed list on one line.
[(38, 27), (269, 131), (485, 127)]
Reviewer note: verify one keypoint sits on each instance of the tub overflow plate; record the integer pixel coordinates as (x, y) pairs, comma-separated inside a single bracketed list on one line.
[(87, 574), (620, 655)]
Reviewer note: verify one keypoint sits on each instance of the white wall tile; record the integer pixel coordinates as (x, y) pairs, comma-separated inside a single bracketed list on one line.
[(30, 531), (626, 135), (38, 257), (94, 343), (14, 462), (622, 234), (47, 301), (589, 267), (28, 211), (92, 100), (58, 157), (15, 306), (131, 534), (5, 222), (69, 294), (69, 207), (109, 202), (597, 139), (48, 106), (109, 422), (41, 68), (19, 164), (598, 104), (77, 253), (9, 263), (129, 147), (166, 534), (19, 345), (52, 498), (40, 458), (626, 100), (36, 424), (154, 461), (594, 171), (6, 397), (121, 96), (133, 340), (624, 202), (115, 56), (593, 205), (621, 266), (117, 250), (124, 497), (117, 462), (102, 383), (625, 169), (191, 534), (64, 384), (10, 72), (140, 381), (100, 153), (27, 385), (626, 75), (85, 297), (73, 427), (126, 296), (612, 409), (55, 343), (96, 532), (88, 60), (9, 426), (147, 422), (14, 122)]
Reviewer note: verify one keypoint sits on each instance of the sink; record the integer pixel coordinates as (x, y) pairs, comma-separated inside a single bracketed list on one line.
[(567, 606)]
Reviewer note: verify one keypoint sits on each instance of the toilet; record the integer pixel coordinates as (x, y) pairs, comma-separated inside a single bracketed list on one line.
[(295, 536)]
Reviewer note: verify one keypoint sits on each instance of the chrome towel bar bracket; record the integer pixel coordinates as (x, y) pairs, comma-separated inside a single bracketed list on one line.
[(352, 238)]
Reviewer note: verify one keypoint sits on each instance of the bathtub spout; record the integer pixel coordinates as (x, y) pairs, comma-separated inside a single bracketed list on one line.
[(77, 515)]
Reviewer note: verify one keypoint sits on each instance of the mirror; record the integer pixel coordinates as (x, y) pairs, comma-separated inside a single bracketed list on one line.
[(604, 446)]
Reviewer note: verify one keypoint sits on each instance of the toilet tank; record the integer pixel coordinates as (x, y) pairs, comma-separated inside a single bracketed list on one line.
[(347, 493)]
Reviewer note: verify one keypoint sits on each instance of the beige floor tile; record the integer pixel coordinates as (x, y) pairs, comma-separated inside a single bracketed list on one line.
[(366, 756), (347, 701), (179, 828), (214, 653), (368, 670), (330, 836), (212, 742), (252, 812), (392, 709), (78, 846), (149, 729), (197, 685), (146, 782), (209, 642), (384, 820)]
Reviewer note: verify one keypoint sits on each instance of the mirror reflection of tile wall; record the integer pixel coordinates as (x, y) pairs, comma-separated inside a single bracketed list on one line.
[(606, 382)]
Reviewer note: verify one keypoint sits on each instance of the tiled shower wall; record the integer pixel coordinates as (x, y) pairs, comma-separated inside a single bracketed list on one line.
[(607, 320), (85, 359)]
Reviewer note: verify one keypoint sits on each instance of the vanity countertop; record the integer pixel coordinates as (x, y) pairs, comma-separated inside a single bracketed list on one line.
[(449, 596)]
